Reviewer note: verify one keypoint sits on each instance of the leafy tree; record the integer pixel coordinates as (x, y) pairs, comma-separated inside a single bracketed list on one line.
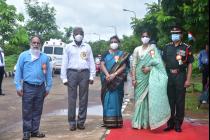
[(18, 42), (196, 15), (67, 35), (8, 21), (99, 47), (42, 20), (128, 44), (189, 14)]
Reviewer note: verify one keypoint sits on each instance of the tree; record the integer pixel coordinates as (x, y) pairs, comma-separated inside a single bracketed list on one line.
[(196, 15), (128, 44), (8, 21), (189, 14), (99, 47), (67, 35), (42, 20)]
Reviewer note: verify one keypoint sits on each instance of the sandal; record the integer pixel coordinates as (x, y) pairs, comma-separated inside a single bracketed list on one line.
[(38, 135)]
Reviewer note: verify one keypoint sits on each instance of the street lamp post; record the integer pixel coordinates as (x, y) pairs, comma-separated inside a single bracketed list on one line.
[(115, 29), (131, 12)]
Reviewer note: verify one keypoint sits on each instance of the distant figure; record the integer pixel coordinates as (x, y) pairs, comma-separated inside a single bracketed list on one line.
[(33, 80), (203, 64), (78, 71), (113, 66), (149, 79), (2, 64)]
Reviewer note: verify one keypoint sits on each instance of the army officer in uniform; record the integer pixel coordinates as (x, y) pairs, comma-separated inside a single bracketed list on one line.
[(178, 60)]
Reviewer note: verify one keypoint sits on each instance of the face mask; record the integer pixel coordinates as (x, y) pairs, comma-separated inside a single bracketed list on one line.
[(175, 37), (78, 38), (145, 40), (114, 46)]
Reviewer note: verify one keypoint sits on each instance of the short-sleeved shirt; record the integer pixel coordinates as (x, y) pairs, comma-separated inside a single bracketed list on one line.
[(170, 52)]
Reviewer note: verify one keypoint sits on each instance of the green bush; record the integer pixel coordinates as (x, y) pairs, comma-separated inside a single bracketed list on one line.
[(10, 62)]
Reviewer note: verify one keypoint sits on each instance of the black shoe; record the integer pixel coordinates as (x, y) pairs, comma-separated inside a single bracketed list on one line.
[(81, 126), (26, 136), (2, 94), (38, 135), (178, 129), (168, 128), (72, 128)]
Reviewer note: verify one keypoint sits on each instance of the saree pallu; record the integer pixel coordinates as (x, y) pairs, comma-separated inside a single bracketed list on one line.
[(112, 98), (151, 102)]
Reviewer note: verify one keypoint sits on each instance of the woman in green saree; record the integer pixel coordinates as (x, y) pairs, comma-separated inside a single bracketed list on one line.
[(149, 79)]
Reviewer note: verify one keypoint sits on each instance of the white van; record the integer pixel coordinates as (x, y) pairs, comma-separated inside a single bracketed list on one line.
[(54, 48)]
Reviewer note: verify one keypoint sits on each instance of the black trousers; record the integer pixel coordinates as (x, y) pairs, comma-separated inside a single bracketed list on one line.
[(205, 75), (1, 78), (176, 95)]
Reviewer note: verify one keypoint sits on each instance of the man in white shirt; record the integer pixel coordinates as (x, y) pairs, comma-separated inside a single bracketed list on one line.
[(2, 64), (78, 70)]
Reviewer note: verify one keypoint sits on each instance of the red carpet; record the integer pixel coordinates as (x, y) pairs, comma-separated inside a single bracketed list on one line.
[(190, 131)]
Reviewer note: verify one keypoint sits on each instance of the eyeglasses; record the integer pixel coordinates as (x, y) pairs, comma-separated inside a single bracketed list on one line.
[(144, 36)]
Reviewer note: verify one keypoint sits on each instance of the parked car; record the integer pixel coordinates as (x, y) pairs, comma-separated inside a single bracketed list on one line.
[(52, 65)]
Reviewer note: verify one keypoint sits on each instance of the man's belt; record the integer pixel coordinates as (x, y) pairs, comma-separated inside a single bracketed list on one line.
[(78, 70), (34, 85)]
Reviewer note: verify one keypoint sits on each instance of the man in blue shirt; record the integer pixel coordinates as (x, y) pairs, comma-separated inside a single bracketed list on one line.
[(33, 80), (203, 64)]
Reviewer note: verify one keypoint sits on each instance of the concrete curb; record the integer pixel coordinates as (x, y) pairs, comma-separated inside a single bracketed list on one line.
[(9, 74)]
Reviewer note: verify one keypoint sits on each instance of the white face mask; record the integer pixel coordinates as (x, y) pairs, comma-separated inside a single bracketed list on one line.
[(114, 46), (78, 38), (145, 40)]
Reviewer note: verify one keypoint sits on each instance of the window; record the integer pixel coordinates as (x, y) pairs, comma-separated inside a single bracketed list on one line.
[(58, 50), (48, 50)]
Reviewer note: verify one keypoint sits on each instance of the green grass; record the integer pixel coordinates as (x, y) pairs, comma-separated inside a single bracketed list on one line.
[(191, 100), (191, 103)]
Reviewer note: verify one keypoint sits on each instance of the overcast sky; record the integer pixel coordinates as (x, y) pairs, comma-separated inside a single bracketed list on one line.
[(99, 18)]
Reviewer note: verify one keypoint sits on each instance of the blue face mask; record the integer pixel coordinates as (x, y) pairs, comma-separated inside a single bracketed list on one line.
[(175, 37)]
